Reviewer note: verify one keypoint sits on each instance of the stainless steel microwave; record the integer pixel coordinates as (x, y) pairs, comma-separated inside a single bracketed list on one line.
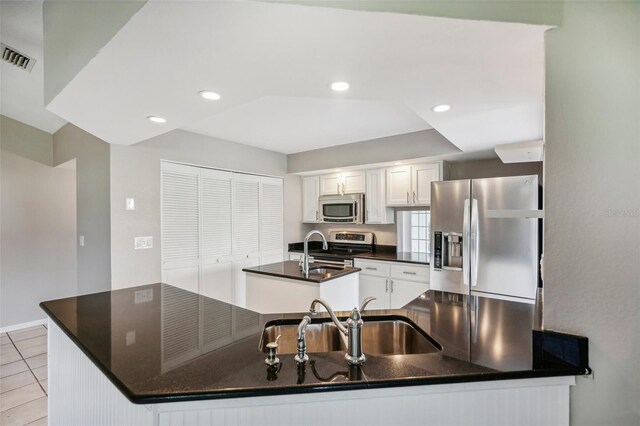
[(342, 208)]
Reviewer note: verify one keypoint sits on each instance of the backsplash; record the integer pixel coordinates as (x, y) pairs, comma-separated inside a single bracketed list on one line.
[(385, 234)]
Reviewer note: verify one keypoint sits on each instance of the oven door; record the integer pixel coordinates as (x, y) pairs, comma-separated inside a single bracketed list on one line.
[(332, 260)]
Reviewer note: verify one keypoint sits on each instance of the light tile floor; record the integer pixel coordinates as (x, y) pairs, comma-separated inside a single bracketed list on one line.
[(23, 377)]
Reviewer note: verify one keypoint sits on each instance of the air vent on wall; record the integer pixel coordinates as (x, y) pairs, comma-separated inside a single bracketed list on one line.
[(20, 60)]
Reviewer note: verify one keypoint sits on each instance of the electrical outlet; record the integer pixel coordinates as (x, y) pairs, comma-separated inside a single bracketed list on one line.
[(142, 296), (130, 337), (142, 243)]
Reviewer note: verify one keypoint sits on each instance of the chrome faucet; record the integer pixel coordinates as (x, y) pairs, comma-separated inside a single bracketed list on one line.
[(304, 263), (353, 329), (301, 357)]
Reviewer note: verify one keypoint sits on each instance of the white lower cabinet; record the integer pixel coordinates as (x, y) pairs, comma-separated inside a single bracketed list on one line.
[(393, 284)]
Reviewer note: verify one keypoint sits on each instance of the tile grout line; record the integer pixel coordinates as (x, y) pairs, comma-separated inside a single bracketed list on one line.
[(46, 394), (36, 420)]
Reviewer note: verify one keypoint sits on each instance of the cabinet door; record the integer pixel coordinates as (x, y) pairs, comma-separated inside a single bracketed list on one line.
[(246, 219), (310, 193), (403, 292), (271, 216), (375, 198), (398, 186), (353, 182), (330, 184), (423, 175), (377, 287), (217, 216), (217, 281)]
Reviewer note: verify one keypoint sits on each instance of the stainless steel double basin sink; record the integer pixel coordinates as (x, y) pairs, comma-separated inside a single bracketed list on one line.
[(389, 335)]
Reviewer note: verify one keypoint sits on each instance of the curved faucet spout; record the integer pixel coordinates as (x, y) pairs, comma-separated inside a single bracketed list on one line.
[(365, 302), (305, 259), (333, 316)]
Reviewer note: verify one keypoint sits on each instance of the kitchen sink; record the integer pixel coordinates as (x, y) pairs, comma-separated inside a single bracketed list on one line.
[(321, 337), (389, 335), (322, 270), (396, 337)]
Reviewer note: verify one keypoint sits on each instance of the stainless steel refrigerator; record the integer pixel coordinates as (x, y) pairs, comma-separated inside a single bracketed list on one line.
[(484, 237)]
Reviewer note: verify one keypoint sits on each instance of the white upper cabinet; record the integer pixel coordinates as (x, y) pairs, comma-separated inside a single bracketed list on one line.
[(411, 185), (330, 184), (354, 182), (399, 186), (343, 183), (376, 200), (310, 193), (422, 177)]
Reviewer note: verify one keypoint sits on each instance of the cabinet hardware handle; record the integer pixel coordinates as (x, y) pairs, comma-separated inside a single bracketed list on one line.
[(414, 197), (407, 197), (391, 282), (343, 189), (247, 256), (371, 268), (409, 273), (338, 186), (317, 216), (386, 286)]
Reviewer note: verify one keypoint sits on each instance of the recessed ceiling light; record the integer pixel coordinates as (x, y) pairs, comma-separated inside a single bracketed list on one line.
[(336, 170), (156, 119), (397, 163), (209, 95), (441, 108), (340, 86)]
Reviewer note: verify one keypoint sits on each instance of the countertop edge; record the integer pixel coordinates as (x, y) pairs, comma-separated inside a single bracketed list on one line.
[(348, 386)]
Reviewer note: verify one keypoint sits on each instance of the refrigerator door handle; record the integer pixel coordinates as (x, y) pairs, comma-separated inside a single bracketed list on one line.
[(475, 242), (466, 243)]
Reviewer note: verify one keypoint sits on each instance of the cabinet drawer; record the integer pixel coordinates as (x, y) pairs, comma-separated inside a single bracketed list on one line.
[(379, 269), (406, 271)]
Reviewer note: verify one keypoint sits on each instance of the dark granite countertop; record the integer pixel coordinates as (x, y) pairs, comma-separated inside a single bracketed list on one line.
[(291, 269), (191, 347)]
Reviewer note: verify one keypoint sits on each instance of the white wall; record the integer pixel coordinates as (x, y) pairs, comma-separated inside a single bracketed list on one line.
[(37, 225), (592, 183), (92, 203), (135, 173)]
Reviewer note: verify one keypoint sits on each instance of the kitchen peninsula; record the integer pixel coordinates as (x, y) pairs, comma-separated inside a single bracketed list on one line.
[(144, 347)]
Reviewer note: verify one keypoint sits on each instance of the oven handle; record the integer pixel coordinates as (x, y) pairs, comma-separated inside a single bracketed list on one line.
[(333, 262)]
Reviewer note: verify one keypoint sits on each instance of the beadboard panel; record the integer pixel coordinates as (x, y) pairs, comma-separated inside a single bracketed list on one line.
[(514, 402), (80, 394)]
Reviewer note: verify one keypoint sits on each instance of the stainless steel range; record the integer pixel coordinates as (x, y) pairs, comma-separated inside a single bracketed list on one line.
[(343, 245)]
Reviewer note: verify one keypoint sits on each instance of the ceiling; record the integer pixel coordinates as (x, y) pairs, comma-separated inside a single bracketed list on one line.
[(23, 92), (273, 64)]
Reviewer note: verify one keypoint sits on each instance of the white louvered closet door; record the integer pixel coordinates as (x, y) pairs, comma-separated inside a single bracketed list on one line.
[(246, 231), (246, 215), (217, 235), (271, 218), (180, 226)]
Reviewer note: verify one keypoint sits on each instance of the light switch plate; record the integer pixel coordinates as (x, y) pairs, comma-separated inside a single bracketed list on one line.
[(81, 240), (131, 204)]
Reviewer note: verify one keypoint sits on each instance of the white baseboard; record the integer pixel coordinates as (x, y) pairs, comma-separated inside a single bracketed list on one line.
[(23, 325)]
